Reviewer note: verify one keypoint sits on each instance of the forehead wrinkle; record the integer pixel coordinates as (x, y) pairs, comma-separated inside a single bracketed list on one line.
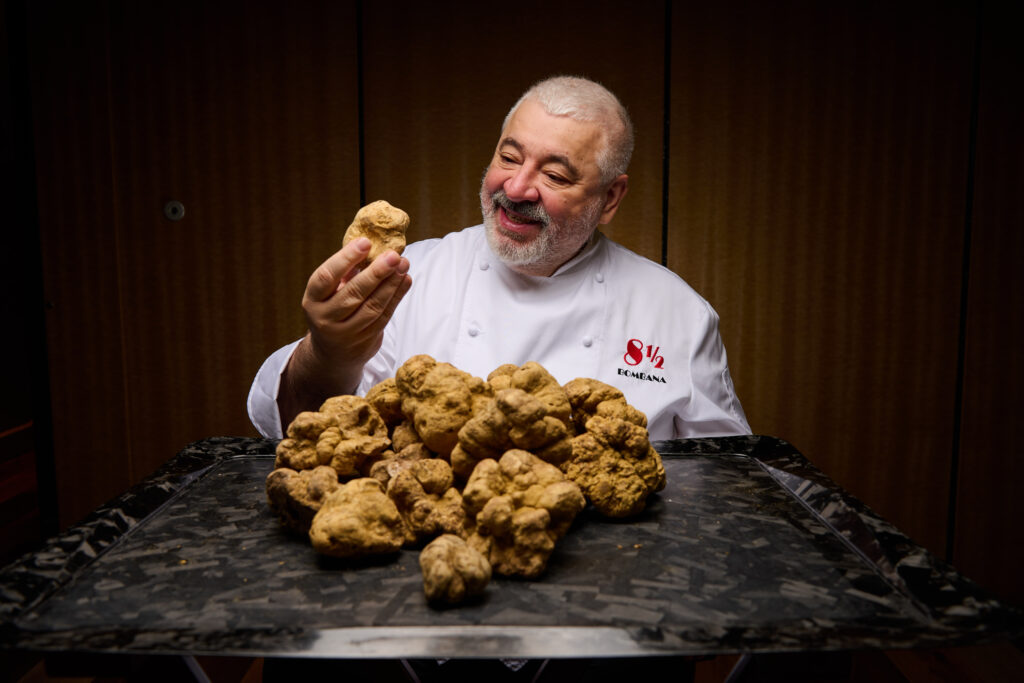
[(551, 158)]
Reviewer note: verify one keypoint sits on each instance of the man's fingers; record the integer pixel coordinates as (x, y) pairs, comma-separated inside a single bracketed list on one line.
[(374, 315), (403, 288), (355, 323), (324, 281), (373, 285), (361, 301)]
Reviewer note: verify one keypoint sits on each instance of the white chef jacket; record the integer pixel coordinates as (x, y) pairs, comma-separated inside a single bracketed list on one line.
[(608, 313)]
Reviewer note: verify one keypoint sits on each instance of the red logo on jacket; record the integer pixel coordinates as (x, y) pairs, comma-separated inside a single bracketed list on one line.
[(636, 352)]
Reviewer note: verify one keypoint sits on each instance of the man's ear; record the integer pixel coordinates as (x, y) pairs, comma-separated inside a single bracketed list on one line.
[(613, 197)]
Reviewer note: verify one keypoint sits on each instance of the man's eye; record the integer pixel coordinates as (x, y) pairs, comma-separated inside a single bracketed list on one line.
[(507, 158), (555, 178)]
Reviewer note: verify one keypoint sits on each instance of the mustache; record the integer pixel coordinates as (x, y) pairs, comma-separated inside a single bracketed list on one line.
[(530, 210)]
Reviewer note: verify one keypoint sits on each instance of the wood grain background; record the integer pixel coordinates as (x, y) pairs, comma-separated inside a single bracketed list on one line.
[(841, 180)]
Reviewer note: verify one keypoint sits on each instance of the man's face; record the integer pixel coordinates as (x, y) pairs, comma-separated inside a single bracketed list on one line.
[(542, 195)]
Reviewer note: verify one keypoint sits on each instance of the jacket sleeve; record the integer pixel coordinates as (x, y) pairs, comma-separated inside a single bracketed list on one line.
[(262, 402), (714, 408)]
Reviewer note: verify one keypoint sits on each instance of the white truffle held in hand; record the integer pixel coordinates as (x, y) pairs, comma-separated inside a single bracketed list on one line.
[(384, 225)]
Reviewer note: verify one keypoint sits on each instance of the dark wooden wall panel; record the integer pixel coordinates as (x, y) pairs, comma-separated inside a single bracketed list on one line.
[(440, 77), (84, 334), (248, 115), (819, 160), (989, 538)]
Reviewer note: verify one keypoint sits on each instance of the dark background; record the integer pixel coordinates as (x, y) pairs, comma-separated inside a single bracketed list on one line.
[(841, 180)]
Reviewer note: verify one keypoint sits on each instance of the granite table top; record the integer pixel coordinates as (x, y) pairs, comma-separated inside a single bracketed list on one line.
[(748, 549)]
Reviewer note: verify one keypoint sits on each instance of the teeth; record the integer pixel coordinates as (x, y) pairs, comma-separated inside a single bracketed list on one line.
[(515, 218)]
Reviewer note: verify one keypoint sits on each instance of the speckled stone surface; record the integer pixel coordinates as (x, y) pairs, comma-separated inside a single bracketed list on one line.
[(748, 549)]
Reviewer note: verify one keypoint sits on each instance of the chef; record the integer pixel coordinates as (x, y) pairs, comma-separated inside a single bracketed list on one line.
[(536, 281)]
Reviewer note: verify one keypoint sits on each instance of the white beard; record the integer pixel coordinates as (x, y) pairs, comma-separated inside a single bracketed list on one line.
[(554, 245)]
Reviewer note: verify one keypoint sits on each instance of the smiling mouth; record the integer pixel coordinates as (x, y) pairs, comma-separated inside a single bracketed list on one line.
[(517, 218), (519, 213)]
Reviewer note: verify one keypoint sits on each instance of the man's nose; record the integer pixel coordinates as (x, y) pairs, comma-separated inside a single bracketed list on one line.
[(521, 186)]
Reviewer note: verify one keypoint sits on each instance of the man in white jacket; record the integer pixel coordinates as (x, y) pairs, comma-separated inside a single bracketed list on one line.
[(536, 281)]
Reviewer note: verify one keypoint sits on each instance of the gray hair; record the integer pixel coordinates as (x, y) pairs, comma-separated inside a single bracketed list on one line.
[(585, 100)]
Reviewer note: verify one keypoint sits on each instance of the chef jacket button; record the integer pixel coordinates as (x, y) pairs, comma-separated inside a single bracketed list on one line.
[(599, 277), (473, 332), (588, 341), (484, 265)]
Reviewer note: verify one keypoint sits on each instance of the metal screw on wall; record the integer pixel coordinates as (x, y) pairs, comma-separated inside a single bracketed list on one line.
[(174, 210)]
